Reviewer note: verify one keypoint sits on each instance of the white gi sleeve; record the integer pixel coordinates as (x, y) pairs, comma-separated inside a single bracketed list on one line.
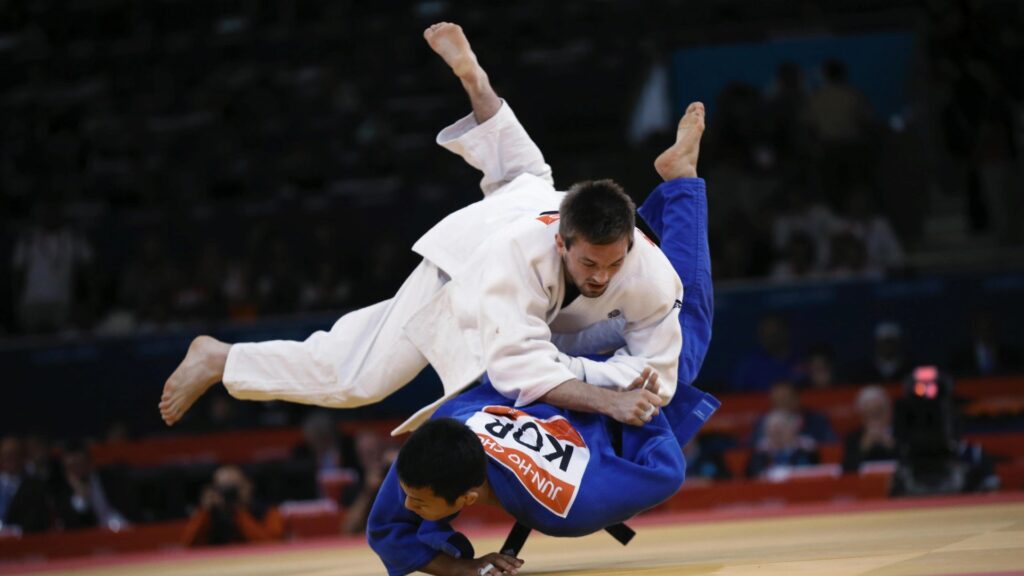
[(520, 358), (652, 338), (500, 148), (601, 338)]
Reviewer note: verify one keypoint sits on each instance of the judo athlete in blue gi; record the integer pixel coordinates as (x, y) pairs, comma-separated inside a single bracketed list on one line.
[(562, 472)]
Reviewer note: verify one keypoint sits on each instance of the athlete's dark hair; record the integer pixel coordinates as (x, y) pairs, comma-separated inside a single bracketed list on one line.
[(597, 211), (445, 456)]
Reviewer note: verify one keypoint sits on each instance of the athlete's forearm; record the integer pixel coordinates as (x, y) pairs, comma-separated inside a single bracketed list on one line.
[(577, 395), (635, 406)]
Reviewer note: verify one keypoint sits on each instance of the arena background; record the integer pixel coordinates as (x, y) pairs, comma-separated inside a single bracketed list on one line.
[(254, 169)]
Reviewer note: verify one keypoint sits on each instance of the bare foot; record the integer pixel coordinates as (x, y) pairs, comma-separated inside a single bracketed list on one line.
[(680, 160), (202, 367), (450, 43)]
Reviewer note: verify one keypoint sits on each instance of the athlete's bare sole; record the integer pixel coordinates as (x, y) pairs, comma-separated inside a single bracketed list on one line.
[(680, 160), (202, 367), (450, 42)]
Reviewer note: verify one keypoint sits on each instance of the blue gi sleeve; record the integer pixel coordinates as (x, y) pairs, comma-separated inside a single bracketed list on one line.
[(677, 212), (391, 530), (404, 541)]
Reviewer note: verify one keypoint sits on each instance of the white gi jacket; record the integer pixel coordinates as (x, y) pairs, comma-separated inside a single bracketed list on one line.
[(503, 303)]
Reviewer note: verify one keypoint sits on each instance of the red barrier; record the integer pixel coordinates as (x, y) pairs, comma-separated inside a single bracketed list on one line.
[(92, 541)]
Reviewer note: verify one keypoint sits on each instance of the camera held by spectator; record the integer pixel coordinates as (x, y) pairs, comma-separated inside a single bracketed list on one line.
[(228, 514)]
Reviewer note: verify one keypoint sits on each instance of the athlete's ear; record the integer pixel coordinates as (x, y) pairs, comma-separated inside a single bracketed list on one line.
[(560, 243), (470, 497)]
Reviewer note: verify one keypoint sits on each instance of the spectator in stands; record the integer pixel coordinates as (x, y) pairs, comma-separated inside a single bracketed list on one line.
[(799, 260), (986, 355), (329, 449), (375, 457), (39, 460), (24, 504), (811, 424), (819, 371), (80, 499), (785, 103), (874, 439), (848, 259), (782, 446), (228, 513), (330, 457), (147, 285), (774, 360), (702, 462), (840, 120), (882, 248), (889, 361), (48, 260), (799, 213)]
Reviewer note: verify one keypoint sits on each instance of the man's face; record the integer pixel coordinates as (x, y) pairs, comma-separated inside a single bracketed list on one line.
[(429, 506), (785, 397), (592, 266)]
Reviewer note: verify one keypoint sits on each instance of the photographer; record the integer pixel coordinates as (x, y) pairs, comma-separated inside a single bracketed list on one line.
[(227, 513)]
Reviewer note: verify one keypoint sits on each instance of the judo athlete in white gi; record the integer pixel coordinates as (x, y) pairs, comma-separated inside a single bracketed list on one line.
[(557, 471), (490, 295)]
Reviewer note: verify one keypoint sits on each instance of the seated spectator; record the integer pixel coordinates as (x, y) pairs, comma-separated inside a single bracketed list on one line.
[(882, 249), (774, 360), (375, 456), (819, 371), (889, 361), (799, 215), (782, 446), (46, 261), (812, 425), (325, 446), (330, 459), (702, 462), (228, 514), (39, 460), (875, 439), (799, 260), (24, 505), (986, 355), (80, 500), (848, 259)]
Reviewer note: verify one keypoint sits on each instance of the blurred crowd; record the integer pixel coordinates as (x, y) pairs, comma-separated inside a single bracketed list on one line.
[(169, 163), (915, 433), (47, 485)]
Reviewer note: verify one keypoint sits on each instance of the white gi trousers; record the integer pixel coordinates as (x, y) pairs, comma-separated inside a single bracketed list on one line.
[(366, 355)]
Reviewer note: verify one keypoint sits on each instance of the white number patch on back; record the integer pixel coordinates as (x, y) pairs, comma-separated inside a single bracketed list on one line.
[(548, 456)]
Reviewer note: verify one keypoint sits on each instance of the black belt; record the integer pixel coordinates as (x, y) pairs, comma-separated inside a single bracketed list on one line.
[(517, 537)]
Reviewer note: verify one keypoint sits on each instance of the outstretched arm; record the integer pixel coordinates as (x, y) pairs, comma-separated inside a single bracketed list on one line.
[(491, 139)]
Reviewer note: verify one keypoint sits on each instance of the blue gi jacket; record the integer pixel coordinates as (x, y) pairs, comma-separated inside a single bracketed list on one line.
[(555, 470)]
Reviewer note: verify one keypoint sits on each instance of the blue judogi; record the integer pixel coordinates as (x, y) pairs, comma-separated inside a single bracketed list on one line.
[(562, 472)]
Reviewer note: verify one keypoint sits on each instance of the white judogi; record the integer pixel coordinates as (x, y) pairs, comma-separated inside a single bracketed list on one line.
[(496, 314)]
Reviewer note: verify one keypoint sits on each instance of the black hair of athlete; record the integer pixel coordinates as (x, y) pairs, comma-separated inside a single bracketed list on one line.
[(445, 456), (596, 211)]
